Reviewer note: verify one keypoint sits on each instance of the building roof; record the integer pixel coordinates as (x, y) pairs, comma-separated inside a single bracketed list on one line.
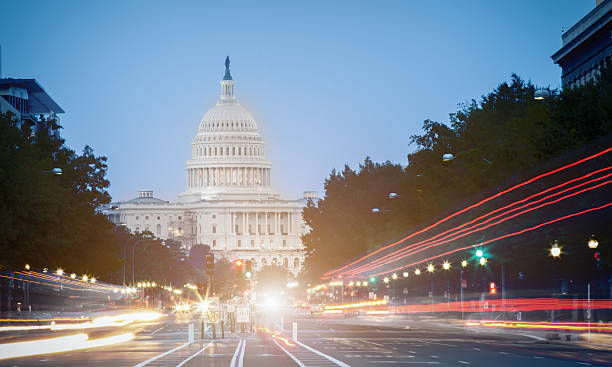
[(39, 100), (145, 200)]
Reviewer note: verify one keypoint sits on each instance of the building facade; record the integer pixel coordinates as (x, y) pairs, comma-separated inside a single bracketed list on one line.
[(29, 104), (587, 46), (228, 203)]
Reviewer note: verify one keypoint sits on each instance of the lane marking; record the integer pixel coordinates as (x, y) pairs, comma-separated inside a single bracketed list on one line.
[(334, 360), (157, 330), (369, 342), (233, 362), (241, 359), (193, 355), (464, 362), (399, 362), (289, 354), (141, 364)]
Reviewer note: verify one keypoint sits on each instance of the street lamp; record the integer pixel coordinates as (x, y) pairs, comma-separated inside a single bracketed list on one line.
[(555, 250), (541, 94), (394, 276), (55, 171), (482, 261), (430, 268), (448, 157), (417, 271), (393, 195), (405, 274), (27, 266), (446, 265), (593, 243), (464, 263), (60, 272)]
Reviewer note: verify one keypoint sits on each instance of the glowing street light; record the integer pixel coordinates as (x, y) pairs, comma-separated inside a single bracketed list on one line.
[(446, 265), (73, 276), (482, 261), (358, 284), (405, 274), (417, 271), (59, 272), (85, 278), (464, 263), (394, 276), (430, 268), (593, 243), (386, 280), (93, 280), (555, 251), (27, 266)]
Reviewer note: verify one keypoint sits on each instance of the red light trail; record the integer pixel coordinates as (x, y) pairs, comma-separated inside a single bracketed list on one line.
[(334, 271), (423, 245)]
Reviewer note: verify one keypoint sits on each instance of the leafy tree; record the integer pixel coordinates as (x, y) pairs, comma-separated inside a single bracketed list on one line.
[(498, 138), (50, 220)]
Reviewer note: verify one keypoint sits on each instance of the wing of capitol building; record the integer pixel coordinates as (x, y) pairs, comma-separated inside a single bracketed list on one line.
[(228, 203)]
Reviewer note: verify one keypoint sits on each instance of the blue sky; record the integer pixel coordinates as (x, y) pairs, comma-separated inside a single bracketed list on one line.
[(329, 82)]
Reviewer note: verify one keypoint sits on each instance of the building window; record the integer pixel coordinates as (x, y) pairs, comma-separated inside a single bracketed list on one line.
[(147, 217), (259, 228), (284, 243), (271, 243), (158, 229), (137, 217), (214, 229), (250, 228), (269, 232), (137, 229), (274, 261), (236, 229), (157, 218), (239, 243), (179, 218), (264, 261), (286, 262), (214, 216), (296, 262), (214, 243), (252, 243)]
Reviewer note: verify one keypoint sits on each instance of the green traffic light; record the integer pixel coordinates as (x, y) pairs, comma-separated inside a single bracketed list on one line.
[(479, 253), (372, 280)]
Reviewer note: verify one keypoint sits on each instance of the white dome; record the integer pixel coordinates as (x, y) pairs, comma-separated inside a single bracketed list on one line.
[(226, 117)]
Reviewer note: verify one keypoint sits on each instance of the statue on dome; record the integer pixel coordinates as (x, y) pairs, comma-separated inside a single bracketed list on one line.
[(227, 76)]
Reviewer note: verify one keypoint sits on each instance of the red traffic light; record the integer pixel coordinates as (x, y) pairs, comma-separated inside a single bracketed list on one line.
[(492, 288)]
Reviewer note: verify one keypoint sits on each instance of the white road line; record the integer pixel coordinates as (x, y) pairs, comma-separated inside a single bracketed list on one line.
[(193, 355), (233, 362), (464, 362), (289, 354), (369, 342), (584, 363), (157, 330), (334, 360), (141, 364), (503, 353), (241, 359), (399, 362), (538, 357)]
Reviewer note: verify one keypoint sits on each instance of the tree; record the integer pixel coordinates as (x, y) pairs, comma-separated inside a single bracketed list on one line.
[(48, 220)]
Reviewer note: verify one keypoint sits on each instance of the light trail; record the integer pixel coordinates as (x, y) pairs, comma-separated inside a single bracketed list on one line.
[(398, 252), (100, 322), (276, 335), (500, 237), (402, 253), (58, 345), (524, 183), (576, 326)]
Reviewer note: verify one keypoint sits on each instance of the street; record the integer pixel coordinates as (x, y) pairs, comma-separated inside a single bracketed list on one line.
[(323, 341)]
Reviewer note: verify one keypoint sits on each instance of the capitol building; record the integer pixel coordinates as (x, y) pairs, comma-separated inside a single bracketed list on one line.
[(229, 203)]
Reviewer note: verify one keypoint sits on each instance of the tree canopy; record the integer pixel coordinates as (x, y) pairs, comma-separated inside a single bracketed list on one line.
[(49, 220), (500, 137)]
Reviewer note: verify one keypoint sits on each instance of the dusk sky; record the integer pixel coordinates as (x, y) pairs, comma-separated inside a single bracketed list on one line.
[(329, 82)]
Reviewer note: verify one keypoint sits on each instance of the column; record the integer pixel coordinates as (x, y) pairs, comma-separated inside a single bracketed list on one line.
[(257, 227), (187, 178), (276, 222), (232, 220), (265, 231), (244, 222)]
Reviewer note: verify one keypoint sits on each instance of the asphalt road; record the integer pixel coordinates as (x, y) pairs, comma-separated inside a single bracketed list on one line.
[(322, 342)]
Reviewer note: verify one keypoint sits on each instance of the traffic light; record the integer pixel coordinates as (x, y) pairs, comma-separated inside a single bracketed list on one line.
[(210, 263), (239, 268), (492, 288), (597, 257), (248, 269)]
